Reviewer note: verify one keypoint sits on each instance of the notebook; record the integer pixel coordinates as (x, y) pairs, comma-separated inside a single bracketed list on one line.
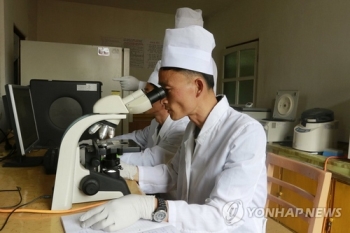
[(71, 224)]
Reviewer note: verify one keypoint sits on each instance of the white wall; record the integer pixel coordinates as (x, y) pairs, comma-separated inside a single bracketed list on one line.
[(2, 44), (303, 45), (12, 13), (76, 23), (6, 51)]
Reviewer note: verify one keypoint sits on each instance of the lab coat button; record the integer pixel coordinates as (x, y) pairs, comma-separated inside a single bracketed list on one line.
[(207, 200)]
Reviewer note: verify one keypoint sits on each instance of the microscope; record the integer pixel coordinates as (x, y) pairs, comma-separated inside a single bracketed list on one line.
[(97, 177)]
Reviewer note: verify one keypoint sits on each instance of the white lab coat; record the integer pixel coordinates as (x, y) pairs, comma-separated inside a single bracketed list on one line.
[(226, 166), (157, 148)]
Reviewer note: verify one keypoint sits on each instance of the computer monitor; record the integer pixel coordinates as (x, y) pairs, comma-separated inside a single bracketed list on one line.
[(9, 120), (21, 113)]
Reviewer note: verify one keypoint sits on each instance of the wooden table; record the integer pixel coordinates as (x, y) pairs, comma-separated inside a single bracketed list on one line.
[(33, 183)]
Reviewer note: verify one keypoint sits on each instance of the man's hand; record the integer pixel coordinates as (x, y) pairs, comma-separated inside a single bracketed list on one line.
[(128, 83), (119, 213), (128, 171)]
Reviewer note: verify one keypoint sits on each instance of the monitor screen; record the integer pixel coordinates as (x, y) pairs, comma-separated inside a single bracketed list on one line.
[(9, 120), (21, 114)]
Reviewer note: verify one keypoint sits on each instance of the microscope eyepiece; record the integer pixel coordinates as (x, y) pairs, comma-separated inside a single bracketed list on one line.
[(156, 94)]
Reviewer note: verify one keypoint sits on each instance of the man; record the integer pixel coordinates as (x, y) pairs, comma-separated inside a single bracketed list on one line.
[(160, 140), (219, 170), (184, 17), (158, 147)]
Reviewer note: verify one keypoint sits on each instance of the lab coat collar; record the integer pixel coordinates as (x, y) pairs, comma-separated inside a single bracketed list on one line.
[(165, 126), (213, 118)]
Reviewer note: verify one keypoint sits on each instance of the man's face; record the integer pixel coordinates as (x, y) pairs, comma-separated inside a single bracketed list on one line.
[(180, 92), (157, 106)]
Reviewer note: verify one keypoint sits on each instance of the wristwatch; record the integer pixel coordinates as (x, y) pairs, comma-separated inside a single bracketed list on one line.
[(161, 212)]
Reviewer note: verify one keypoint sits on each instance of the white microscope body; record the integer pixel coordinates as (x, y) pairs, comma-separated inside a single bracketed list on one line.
[(70, 172)]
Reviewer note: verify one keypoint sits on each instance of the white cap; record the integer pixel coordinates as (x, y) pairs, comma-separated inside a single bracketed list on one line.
[(153, 78), (186, 17), (215, 75), (188, 48)]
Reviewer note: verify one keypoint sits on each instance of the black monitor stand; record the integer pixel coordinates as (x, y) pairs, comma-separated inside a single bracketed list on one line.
[(18, 160), (24, 161)]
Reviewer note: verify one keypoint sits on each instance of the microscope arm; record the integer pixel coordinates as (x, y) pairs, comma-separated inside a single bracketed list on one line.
[(70, 171)]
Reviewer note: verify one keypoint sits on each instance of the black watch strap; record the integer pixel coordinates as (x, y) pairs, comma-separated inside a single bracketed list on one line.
[(161, 204), (161, 212)]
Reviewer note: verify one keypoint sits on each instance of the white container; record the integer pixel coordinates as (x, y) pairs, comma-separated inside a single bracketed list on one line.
[(315, 137), (349, 149), (278, 131), (280, 127), (256, 113)]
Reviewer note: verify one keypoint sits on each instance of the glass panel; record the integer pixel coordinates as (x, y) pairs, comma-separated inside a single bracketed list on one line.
[(230, 66), (247, 61), (246, 89), (230, 91)]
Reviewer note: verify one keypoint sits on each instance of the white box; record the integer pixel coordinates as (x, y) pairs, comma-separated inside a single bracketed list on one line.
[(315, 137), (278, 130), (256, 113)]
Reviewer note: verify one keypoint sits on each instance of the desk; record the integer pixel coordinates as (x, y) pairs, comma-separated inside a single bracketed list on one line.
[(34, 183)]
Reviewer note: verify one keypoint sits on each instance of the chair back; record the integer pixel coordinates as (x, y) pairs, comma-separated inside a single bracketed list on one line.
[(318, 199)]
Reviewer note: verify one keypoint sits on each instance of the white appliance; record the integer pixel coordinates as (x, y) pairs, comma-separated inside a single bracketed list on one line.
[(349, 149), (316, 132), (256, 113), (76, 62), (280, 127)]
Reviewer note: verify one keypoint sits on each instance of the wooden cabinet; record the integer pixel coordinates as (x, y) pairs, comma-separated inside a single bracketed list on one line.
[(337, 217), (338, 195), (340, 203), (140, 121), (283, 215)]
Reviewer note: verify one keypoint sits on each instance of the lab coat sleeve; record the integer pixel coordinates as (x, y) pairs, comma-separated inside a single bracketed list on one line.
[(242, 176), (149, 184), (148, 157), (161, 178), (162, 152), (138, 136)]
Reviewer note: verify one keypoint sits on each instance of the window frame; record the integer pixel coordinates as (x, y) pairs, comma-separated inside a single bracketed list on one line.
[(238, 48)]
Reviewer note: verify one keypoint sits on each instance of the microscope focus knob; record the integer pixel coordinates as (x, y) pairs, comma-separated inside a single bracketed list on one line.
[(89, 185), (95, 162)]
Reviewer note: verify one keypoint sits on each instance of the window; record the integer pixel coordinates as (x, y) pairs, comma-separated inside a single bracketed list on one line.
[(240, 73)]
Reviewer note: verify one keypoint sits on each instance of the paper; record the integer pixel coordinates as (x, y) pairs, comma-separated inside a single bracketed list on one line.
[(71, 224)]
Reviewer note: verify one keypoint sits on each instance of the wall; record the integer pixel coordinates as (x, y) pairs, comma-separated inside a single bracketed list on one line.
[(2, 44), (87, 24), (12, 12), (303, 45), (6, 43)]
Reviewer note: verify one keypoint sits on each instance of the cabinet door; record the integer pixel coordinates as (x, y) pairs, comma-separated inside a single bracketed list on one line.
[(297, 224), (140, 121), (283, 215), (341, 201)]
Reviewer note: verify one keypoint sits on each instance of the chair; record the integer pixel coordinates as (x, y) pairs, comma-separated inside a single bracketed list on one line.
[(318, 200)]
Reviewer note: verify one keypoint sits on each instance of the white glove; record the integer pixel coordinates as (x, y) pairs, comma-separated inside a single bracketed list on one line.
[(128, 83), (119, 213), (128, 171)]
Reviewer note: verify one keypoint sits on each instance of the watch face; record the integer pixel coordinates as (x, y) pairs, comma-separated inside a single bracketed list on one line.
[(159, 216)]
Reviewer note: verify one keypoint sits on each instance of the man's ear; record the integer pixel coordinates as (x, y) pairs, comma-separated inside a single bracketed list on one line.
[(199, 86), (162, 102)]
